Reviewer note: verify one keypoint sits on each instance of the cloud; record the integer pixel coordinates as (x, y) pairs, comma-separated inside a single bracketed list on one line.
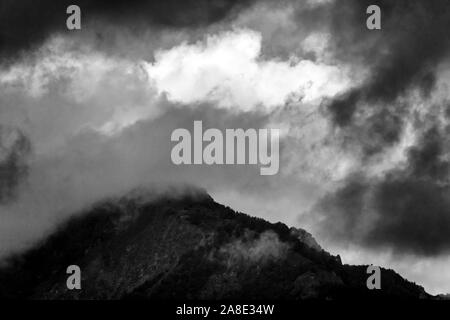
[(228, 69), (61, 91), (401, 57), (392, 128), (265, 248), (26, 25), (405, 210), (15, 150)]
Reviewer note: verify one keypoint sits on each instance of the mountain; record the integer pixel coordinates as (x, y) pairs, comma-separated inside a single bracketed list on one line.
[(187, 247)]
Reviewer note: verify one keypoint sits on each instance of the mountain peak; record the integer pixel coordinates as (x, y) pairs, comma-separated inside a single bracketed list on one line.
[(185, 245)]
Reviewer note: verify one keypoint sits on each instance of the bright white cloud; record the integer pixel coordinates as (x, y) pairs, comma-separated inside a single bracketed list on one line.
[(229, 70)]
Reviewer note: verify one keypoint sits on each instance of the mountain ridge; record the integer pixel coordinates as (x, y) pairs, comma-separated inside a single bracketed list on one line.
[(187, 246)]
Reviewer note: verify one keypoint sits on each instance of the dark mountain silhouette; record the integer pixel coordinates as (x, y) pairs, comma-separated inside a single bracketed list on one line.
[(187, 247)]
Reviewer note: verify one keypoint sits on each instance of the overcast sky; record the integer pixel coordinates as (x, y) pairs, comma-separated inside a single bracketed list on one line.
[(364, 116)]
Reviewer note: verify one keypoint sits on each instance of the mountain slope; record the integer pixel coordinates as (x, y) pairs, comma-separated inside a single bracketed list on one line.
[(139, 247)]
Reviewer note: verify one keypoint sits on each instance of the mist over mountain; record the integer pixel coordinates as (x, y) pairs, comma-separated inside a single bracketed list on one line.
[(144, 246)]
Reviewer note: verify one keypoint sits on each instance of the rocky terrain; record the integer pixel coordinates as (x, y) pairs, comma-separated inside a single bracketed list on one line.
[(187, 247)]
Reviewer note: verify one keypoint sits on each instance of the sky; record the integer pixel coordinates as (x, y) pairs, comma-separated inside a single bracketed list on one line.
[(364, 116)]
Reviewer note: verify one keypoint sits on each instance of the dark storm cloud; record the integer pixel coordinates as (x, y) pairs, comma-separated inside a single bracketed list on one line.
[(407, 210), (26, 23), (403, 55)]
